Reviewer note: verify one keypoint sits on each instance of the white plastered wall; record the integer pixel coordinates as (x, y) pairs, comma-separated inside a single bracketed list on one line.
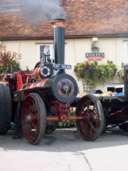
[(75, 49)]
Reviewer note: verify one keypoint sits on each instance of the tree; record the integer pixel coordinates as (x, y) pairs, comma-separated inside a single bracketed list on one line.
[(8, 60)]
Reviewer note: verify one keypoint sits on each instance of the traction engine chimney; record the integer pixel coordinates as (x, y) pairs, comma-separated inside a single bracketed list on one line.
[(58, 26)]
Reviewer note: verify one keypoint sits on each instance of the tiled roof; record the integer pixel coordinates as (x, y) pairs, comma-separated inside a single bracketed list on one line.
[(84, 18)]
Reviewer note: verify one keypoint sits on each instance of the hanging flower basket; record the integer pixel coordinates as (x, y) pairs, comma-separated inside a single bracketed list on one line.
[(93, 74)]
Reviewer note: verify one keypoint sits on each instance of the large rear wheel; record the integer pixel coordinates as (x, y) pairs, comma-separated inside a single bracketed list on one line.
[(5, 108), (33, 118), (93, 122)]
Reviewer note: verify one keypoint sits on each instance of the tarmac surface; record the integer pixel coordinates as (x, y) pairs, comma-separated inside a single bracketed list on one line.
[(64, 150)]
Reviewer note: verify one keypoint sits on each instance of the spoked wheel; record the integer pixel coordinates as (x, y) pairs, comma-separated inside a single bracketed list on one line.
[(5, 109), (33, 118), (93, 122)]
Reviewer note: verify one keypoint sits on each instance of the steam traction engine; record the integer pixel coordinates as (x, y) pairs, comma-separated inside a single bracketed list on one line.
[(36, 101), (46, 96)]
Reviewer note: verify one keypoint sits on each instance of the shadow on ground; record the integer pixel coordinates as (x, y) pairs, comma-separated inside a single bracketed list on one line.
[(65, 141)]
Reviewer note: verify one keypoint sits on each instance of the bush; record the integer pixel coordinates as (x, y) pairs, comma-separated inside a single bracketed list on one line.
[(120, 74), (8, 60), (93, 73), (68, 123)]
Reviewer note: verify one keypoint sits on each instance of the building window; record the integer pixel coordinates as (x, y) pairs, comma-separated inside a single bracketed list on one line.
[(45, 52)]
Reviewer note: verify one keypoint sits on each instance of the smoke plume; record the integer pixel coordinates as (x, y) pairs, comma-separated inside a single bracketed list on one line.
[(41, 10), (35, 11)]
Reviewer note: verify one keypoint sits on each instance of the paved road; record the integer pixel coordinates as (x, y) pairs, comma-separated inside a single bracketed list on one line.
[(65, 151)]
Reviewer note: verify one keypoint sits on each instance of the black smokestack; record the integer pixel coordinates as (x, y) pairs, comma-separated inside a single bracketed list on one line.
[(59, 41)]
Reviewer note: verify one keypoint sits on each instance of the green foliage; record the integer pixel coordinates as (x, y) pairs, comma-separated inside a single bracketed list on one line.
[(120, 74), (8, 60), (93, 73), (14, 66), (68, 123)]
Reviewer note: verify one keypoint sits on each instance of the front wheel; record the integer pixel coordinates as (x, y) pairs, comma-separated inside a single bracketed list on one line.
[(93, 122), (33, 118)]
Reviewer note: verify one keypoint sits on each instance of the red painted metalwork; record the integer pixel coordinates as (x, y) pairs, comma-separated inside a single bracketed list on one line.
[(62, 113), (19, 81), (123, 111), (61, 110), (120, 115), (90, 121), (65, 118), (24, 80), (39, 84), (30, 120)]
